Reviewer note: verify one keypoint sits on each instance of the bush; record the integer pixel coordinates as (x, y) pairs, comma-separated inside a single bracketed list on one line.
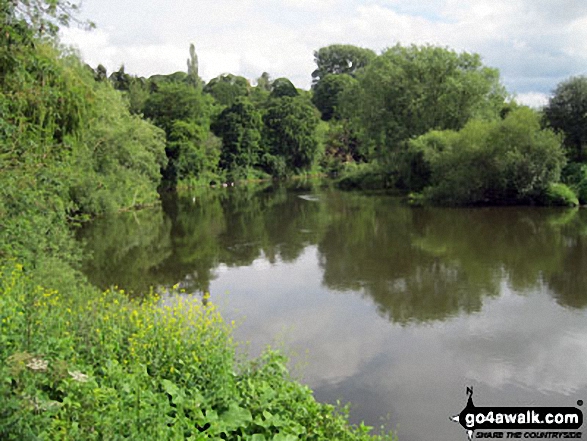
[(366, 176), (575, 176), (510, 161), (560, 195)]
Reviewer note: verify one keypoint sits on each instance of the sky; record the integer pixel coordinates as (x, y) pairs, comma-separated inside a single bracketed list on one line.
[(535, 44)]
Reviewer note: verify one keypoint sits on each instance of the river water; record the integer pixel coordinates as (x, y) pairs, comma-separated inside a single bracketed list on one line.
[(394, 309)]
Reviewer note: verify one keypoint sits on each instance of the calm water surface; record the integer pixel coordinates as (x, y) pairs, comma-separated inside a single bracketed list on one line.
[(392, 308)]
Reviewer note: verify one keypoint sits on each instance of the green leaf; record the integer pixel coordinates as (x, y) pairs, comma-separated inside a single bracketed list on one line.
[(236, 417)]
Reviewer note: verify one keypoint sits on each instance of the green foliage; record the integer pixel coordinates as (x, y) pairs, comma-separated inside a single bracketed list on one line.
[(289, 132), (70, 147), (340, 146), (176, 77), (172, 102), (327, 93), (560, 195), (184, 113), (340, 59), (119, 161), (240, 127), (366, 176), (575, 176), (120, 79), (226, 89), (506, 161), (198, 153), (264, 82), (282, 87), (566, 112), (408, 91), (137, 95), (98, 366)]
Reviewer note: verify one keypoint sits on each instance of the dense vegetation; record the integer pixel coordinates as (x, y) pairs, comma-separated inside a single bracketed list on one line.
[(421, 119), (361, 123), (101, 367), (77, 142), (79, 364)]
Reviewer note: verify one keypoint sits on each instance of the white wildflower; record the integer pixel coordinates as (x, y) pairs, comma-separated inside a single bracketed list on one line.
[(78, 376), (38, 364)]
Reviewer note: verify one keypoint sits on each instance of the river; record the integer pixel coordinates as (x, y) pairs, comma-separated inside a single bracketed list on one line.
[(392, 308)]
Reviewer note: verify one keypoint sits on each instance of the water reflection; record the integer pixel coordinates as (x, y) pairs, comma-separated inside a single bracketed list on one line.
[(393, 308), (416, 264)]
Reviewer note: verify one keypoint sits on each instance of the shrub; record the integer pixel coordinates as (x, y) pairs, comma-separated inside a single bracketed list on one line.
[(502, 162), (560, 195), (366, 176)]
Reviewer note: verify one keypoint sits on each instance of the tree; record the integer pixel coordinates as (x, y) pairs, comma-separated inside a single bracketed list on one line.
[(42, 16), (120, 79), (227, 88), (340, 59), (289, 134), (490, 162), (239, 126), (283, 87), (264, 82), (566, 112), (327, 93), (100, 73), (407, 91), (173, 103), (192, 62)]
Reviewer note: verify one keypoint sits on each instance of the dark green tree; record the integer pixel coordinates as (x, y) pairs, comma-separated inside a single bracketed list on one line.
[(120, 79), (340, 59), (283, 87), (180, 105), (289, 134), (327, 93), (240, 127), (172, 102), (226, 89), (566, 112), (100, 73)]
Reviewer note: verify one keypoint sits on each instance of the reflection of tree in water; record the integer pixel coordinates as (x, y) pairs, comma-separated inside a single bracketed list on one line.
[(236, 226), (569, 282), (416, 264), (210, 227), (430, 264), (370, 246), (126, 249)]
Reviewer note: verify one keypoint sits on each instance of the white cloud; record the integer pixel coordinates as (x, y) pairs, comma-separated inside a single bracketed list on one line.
[(534, 43), (533, 99)]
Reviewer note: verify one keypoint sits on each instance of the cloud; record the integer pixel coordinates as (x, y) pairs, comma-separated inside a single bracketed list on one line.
[(535, 44), (533, 99)]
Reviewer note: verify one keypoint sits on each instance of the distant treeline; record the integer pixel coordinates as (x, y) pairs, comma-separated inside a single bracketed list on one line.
[(426, 120), (423, 119)]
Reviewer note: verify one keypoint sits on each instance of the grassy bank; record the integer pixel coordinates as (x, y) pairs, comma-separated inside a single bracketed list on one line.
[(101, 366)]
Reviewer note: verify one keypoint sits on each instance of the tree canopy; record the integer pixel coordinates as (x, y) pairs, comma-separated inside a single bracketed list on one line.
[(566, 112), (407, 91), (340, 59)]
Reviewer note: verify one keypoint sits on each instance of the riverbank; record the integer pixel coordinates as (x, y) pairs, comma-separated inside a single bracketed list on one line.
[(101, 366)]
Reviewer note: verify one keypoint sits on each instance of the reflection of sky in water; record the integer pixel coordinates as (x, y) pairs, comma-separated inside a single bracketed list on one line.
[(520, 349)]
